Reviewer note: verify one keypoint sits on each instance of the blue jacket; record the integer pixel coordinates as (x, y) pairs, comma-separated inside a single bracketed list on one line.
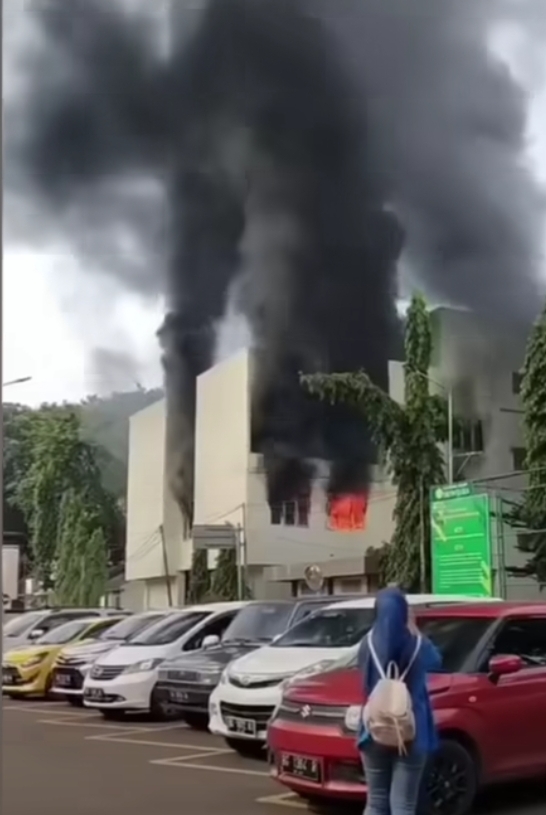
[(428, 660)]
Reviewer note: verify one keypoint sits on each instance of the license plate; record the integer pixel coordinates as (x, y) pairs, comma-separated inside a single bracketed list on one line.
[(7, 678), (245, 726), (94, 694), (301, 767), (63, 680), (179, 696)]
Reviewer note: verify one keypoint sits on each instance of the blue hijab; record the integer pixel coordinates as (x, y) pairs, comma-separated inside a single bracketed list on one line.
[(392, 640)]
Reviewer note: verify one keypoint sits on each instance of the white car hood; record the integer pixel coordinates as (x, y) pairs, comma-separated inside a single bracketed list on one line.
[(273, 661), (129, 654), (92, 649)]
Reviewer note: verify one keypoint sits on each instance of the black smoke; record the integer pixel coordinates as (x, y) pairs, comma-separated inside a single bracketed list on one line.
[(284, 133)]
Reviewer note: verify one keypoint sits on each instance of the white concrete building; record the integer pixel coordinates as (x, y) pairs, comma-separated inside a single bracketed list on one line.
[(230, 482)]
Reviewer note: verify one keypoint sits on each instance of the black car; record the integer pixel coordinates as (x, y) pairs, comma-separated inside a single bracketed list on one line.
[(186, 682)]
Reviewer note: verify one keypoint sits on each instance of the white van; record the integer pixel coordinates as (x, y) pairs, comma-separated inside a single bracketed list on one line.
[(124, 679), (251, 687)]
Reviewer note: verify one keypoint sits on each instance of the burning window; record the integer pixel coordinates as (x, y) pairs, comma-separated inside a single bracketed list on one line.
[(347, 513)]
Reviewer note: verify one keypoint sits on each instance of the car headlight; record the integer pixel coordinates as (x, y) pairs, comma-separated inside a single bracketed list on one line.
[(353, 718), (311, 670), (33, 661), (143, 666)]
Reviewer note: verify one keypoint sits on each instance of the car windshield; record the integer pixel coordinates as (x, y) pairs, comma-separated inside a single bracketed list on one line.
[(129, 628), (64, 633), (329, 628), (169, 629), (259, 622), (454, 637), (18, 626)]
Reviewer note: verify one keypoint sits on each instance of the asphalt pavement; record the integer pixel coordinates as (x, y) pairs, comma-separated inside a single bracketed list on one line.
[(56, 759)]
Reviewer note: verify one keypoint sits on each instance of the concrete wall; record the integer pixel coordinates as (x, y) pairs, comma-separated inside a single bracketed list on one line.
[(153, 517)]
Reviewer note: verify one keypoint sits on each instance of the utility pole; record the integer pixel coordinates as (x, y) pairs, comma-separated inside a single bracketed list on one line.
[(166, 567)]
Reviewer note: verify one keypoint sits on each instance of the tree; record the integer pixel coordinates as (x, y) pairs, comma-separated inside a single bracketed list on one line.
[(199, 577), (408, 437), (94, 575), (532, 512), (55, 460), (224, 584)]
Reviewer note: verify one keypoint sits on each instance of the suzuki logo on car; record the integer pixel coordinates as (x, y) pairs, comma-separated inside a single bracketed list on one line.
[(305, 711), (245, 680)]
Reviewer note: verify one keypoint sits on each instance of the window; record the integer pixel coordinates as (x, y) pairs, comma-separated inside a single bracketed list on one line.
[(169, 629), (525, 638), (469, 436), (19, 625), (454, 637), (517, 378), (292, 513), (63, 633), (518, 458), (305, 609), (259, 622), (216, 628), (129, 628), (329, 628), (54, 620), (100, 629)]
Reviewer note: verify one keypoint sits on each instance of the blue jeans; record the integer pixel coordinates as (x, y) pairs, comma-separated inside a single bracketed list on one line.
[(393, 781)]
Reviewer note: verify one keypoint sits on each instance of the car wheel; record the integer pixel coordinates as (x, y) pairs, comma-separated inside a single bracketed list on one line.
[(248, 749), (198, 721), (451, 781), (161, 710), (112, 715)]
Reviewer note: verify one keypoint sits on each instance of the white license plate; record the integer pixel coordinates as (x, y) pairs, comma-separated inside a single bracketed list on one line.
[(63, 680), (7, 678), (245, 726)]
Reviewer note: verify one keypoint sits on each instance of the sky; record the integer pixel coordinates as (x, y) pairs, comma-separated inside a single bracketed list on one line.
[(52, 315)]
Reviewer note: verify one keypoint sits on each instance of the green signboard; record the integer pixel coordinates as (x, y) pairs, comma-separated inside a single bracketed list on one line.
[(460, 542)]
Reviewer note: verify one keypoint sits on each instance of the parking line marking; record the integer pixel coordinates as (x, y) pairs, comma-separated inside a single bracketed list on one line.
[(285, 799), (184, 764), (101, 725), (42, 711), (173, 760), (121, 739)]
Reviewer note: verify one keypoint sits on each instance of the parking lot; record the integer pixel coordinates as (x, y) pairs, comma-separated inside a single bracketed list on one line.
[(60, 759)]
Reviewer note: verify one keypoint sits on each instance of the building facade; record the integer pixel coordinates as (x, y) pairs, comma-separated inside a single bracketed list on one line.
[(230, 486)]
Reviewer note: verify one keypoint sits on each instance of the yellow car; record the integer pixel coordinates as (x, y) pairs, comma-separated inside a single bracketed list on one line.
[(26, 671)]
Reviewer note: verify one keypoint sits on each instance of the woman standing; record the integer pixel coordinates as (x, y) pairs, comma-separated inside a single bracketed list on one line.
[(393, 776)]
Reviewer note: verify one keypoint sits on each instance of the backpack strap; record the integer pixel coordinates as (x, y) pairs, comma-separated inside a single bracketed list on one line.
[(374, 657), (413, 658)]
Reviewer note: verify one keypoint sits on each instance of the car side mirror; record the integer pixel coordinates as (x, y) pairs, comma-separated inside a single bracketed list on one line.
[(211, 640), (36, 633), (504, 664)]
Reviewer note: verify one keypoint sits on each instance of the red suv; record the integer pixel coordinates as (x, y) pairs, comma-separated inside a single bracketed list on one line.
[(489, 704)]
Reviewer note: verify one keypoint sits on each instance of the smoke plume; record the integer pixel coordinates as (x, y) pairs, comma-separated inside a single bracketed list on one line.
[(284, 134)]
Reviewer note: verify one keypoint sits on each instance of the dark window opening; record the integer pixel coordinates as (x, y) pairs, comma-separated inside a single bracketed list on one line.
[(304, 507), (517, 379), (519, 455), (469, 436), (290, 513)]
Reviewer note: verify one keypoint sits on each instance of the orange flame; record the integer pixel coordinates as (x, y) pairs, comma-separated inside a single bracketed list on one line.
[(347, 513)]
